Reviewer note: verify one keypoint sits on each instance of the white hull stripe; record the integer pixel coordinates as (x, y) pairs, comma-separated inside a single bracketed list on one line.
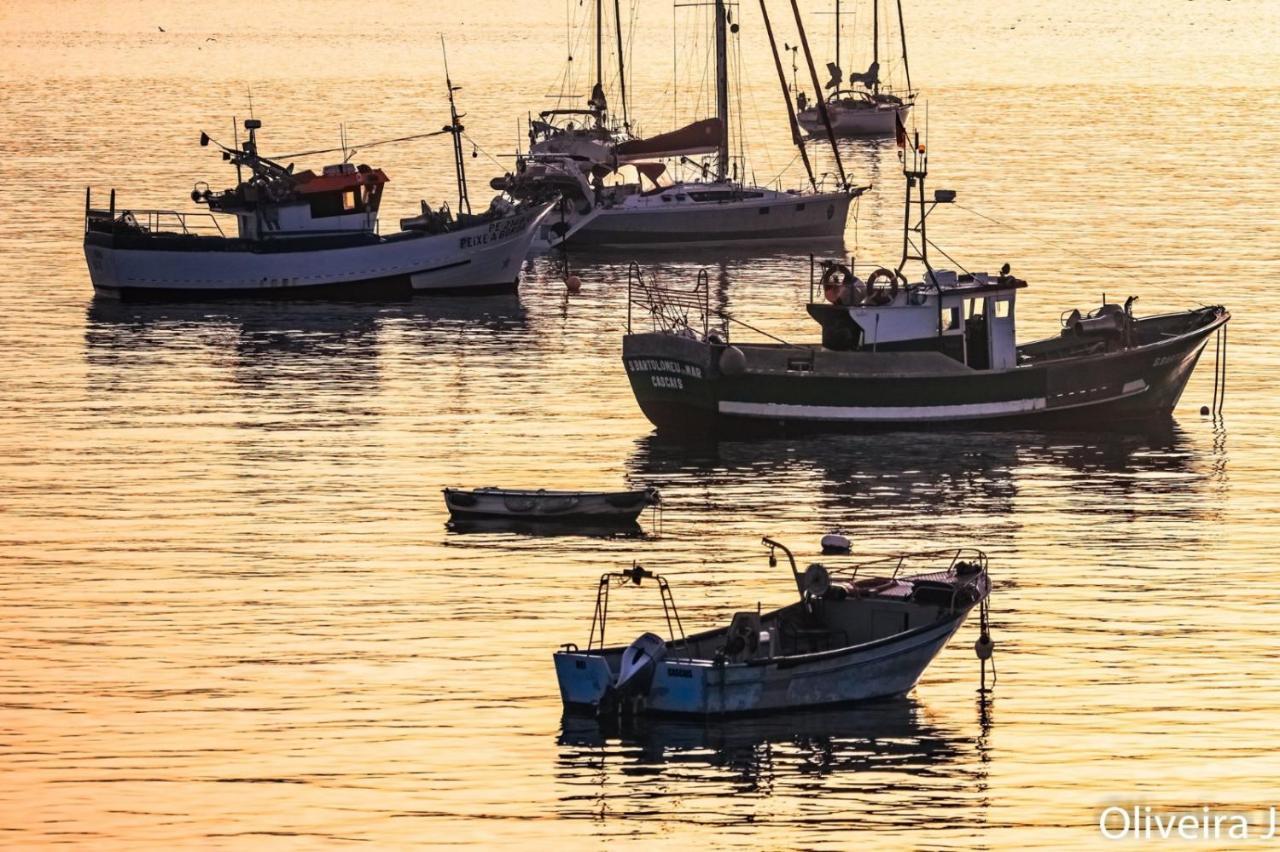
[(882, 412)]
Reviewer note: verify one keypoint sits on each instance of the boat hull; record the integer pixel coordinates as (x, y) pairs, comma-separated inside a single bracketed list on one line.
[(479, 259), (845, 121), (548, 507), (776, 218), (883, 669), (680, 387)]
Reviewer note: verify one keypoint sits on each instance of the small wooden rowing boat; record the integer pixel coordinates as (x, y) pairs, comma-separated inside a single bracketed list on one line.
[(594, 507)]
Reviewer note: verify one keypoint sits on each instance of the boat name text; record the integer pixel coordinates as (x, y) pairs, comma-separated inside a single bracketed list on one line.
[(662, 365)]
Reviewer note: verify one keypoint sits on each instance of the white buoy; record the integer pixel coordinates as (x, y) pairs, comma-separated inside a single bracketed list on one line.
[(836, 543), (573, 284)]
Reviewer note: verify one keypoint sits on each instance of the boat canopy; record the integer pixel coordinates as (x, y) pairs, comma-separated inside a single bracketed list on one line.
[(337, 178), (701, 137)]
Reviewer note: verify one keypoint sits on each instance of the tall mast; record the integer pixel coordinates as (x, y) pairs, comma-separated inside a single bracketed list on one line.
[(622, 70), (838, 35), (722, 92), (786, 98), (875, 44), (455, 129), (902, 28), (599, 45), (822, 102)]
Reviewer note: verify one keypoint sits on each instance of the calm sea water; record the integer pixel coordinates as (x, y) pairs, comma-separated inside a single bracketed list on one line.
[(231, 613)]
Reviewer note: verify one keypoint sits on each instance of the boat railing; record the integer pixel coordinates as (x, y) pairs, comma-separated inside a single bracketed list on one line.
[(153, 221), (668, 308), (881, 565)]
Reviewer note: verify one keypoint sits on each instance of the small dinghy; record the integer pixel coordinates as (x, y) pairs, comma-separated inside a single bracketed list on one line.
[(591, 507), (856, 634)]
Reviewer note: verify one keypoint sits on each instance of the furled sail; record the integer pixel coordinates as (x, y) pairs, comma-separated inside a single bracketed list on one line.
[(701, 137), (869, 79), (837, 76)]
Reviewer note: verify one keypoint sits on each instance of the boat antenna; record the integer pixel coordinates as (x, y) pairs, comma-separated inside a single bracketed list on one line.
[(786, 98), (455, 127), (235, 131), (817, 88), (249, 89)]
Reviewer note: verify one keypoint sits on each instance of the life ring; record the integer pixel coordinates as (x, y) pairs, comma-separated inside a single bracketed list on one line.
[(879, 295)]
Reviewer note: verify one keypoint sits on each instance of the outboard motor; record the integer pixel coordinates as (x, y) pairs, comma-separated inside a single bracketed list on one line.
[(635, 674)]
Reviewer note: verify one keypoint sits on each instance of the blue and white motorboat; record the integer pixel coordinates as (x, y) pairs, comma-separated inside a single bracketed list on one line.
[(856, 633)]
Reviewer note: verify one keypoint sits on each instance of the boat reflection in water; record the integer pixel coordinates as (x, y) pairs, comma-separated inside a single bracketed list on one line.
[(629, 529), (888, 759)]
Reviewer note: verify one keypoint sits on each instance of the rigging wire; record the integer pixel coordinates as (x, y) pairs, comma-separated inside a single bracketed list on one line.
[(1066, 250), (354, 148)]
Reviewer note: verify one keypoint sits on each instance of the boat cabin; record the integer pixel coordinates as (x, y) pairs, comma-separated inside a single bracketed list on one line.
[(969, 317), (343, 199)]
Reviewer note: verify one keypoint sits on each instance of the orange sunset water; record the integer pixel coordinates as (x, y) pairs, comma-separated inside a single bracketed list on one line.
[(232, 615)]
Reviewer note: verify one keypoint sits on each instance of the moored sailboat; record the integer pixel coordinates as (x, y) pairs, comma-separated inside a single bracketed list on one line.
[(716, 206), (867, 106)]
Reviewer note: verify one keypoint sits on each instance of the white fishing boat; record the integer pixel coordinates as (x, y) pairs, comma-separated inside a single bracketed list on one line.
[(303, 233), (589, 507), (857, 633), (650, 208), (868, 106)]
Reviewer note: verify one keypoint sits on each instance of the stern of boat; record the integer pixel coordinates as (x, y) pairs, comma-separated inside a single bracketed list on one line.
[(584, 678)]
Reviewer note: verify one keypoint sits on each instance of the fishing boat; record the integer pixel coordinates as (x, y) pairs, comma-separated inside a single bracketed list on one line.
[(590, 507), (939, 352), (867, 106), (650, 209), (306, 233), (856, 633)]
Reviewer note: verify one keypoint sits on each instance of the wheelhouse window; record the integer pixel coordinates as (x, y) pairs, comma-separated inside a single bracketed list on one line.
[(1003, 307), (349, 200), (950, 318)]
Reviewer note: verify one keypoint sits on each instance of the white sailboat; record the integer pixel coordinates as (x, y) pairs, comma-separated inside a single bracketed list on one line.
[(714, 207), (868, 106)]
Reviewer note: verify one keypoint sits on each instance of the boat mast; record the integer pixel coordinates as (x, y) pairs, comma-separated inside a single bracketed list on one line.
[(875, 45), (599, 45), (817, 88), (902, 28), (455, 128), (786, 98), (722, 92), (622, 71), (915, 175), (838, 35)]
